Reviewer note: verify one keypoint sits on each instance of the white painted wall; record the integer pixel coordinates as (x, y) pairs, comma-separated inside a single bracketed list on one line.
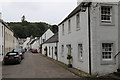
[(74, 38), (35, 45), (46, 35), (103, 33), (50, 46), (1, 41), (100, 33), (16, 43), (9, 40), (25, 43)]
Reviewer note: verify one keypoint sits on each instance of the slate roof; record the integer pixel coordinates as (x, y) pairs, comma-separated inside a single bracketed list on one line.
[(76, 10), (52, 39), (5, 24)]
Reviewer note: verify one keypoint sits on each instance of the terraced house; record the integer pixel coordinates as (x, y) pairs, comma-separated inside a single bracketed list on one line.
[(90, 35), (7, 40)]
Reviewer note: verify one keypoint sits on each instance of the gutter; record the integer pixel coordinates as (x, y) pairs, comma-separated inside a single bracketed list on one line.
[(89, 37)]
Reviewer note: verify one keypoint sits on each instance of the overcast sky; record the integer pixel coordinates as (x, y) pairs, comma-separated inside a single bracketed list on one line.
[(50, 11)]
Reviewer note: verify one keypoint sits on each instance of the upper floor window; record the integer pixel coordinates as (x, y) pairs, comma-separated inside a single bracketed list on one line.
[(106, 14), (80, 51), (69, 26), (78, 21), (62, 29), (107, 51)]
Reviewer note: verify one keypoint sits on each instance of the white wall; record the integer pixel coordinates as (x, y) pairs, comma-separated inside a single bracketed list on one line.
[(35, 45), (74, 38), (1, 41), (9, 40), (16, 43), (46, 35), (100, 33), (25, 43), (50, 46)]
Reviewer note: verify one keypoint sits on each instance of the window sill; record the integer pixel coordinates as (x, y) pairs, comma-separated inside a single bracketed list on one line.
[(107, 23), (109, 62), (77, 29)]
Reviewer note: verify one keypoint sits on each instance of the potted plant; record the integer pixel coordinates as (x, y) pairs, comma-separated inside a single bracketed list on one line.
[(69, 57)]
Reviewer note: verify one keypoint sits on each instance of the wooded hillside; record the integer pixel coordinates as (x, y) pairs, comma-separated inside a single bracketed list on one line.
[(27, 29)]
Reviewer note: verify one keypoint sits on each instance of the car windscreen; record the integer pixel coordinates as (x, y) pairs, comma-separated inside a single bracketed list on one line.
[(11, 54)]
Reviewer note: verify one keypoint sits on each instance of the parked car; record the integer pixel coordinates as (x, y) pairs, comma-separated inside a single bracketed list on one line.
[(12, 57), (20, 51), (34, 51)]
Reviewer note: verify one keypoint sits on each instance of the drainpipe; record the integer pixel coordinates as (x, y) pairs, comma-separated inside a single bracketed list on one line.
[(89, 37)]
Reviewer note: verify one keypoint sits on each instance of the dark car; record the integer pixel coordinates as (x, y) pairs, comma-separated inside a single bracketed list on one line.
[(34, 51), (12, 57), (20, 51)]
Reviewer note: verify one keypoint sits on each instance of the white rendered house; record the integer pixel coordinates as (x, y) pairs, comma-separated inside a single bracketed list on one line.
[(49, 47), (90, 34)]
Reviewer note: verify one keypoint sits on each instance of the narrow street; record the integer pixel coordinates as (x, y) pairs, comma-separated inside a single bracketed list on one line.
[(35, 66)]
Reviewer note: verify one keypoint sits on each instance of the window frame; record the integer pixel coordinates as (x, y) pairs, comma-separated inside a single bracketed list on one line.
[(106, 15), (63, 29), (107, 23), (108, 61), (106, 51), (62, 50), (78, 21), (69, 26), (80, 52)]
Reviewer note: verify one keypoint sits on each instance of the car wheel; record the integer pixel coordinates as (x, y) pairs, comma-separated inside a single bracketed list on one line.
[(19, 61)]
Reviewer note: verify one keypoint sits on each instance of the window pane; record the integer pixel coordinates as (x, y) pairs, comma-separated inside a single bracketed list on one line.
[(107, 50), (106, 13)]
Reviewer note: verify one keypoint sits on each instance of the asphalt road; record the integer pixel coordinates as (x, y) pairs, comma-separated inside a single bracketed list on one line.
[(35, 66)]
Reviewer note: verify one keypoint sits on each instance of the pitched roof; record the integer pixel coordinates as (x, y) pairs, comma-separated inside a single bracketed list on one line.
[(76, 10), (52, 39), (5, 24)]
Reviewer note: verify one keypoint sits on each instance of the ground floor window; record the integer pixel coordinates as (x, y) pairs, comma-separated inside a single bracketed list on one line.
[(80, 51), (62, 50), (69, 49), (107, 51)]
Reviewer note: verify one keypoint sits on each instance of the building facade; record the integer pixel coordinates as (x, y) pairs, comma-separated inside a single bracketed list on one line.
[(7, 39), (2, 27), (90, 35), (49, 47), (46, 36)]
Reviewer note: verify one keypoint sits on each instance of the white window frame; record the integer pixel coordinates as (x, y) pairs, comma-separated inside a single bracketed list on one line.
[(62, 50), (107, 48), (107, 22), (69, 49), (63, 29), (78, 21), (69, 26), (80, 52), (108, 61)]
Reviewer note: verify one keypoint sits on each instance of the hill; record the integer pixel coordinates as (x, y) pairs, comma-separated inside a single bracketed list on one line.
[(26, 29)]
